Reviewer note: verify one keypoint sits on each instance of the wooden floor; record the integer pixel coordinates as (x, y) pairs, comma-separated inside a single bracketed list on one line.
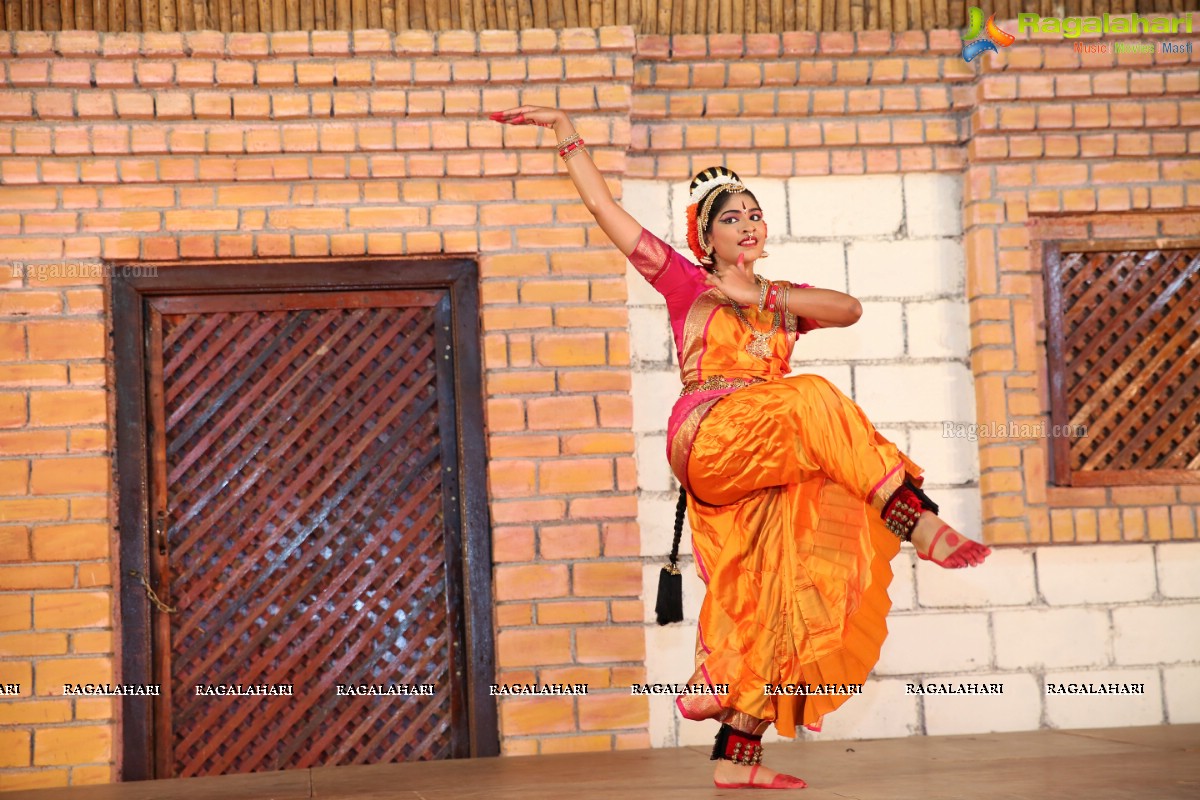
[(1145, 763)]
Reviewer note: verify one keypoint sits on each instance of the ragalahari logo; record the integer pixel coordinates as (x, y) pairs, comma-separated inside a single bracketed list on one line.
[(995, 36)]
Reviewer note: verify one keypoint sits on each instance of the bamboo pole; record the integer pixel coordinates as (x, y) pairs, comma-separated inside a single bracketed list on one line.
[(689, 17), (511, 23), (857, 15), (623, 13), (99, 15), (67, 16), (541, 14), (899, 15), (928, 15), (525, 14), (664, 16), (570, 13), (843, 15), (12, 12), (33, 12), (50, 20), (763, 9), (431, 14), (608, 12), (816, 15), (557, 14), (358, 14), (829, 20)]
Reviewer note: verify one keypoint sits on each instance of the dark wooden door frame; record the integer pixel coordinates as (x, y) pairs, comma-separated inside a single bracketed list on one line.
[(127, 301)]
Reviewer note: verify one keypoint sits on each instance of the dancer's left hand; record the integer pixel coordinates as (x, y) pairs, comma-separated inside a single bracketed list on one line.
[(737, 283)]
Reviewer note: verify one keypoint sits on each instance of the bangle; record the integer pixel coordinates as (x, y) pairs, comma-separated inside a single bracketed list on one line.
[(574, 137), (571, 148), (773, 298)]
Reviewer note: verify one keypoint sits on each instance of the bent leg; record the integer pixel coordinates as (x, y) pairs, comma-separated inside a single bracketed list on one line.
[(782, 432)]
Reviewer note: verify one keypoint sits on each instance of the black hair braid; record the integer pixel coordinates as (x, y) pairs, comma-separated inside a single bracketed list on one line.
[(680, 512)]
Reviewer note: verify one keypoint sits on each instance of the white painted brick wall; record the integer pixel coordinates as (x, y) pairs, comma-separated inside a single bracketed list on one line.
[(1157, 634), (935, 643), (1105, 710), (918, 268), (1178, 569), (843, 206), (1016, 709), (1067, 613), (1052, 638), (1007, 581), (932, 204), (1071, 575), (1183, 694)]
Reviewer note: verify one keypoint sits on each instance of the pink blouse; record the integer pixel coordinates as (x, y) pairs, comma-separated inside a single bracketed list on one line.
[(706, 350)]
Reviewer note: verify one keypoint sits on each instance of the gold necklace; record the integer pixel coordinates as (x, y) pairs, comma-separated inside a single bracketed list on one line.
[(760, 343)]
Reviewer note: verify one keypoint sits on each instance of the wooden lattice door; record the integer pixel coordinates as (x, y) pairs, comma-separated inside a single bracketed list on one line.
[(1123, 341), (308, 524)]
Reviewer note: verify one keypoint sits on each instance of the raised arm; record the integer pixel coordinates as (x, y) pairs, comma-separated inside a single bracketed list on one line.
[(617, 224)]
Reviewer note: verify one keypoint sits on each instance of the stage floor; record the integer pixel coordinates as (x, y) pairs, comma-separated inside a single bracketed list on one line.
[(1147, 763)]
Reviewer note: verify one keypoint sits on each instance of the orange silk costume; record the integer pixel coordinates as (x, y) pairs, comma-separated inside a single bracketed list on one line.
[(786, 477)]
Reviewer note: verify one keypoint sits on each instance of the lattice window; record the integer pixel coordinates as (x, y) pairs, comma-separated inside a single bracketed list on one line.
[(1123, 337)]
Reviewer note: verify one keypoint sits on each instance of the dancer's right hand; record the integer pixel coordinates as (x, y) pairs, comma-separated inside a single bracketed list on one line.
[(531, 115)]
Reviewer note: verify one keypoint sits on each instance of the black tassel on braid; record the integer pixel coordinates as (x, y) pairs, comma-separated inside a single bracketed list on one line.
[(670, 581)]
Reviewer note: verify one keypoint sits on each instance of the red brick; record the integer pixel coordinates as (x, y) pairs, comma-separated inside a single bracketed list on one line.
[(577, 477), (569, 541), (531, 581), (613, 579), (608, 644), (532, 648), (561, 413), (613, 711)]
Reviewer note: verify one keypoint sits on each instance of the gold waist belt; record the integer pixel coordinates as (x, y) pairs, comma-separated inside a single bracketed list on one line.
[(717, 382)]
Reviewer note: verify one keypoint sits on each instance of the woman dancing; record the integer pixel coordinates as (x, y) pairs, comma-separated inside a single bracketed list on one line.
[(796, 503)]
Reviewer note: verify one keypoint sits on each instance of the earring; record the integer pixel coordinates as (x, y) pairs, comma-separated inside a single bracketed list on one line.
[(765, 254), (706, 259)]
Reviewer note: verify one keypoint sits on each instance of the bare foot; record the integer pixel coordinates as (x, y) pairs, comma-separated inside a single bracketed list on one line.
[(735, 776), (950, 548)]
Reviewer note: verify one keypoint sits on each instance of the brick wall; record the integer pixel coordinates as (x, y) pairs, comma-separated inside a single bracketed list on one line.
[(329, 145), (332, 145)]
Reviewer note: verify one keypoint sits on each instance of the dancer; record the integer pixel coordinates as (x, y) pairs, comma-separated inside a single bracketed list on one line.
[(796, 503)]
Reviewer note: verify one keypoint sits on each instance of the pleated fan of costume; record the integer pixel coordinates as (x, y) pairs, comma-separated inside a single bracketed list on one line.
[(305, 464)]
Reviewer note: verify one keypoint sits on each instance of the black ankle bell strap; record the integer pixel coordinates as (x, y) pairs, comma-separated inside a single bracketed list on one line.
[(737, 746)]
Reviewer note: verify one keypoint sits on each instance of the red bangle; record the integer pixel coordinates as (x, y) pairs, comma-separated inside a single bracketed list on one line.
[(572, 146), (772, 297)]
